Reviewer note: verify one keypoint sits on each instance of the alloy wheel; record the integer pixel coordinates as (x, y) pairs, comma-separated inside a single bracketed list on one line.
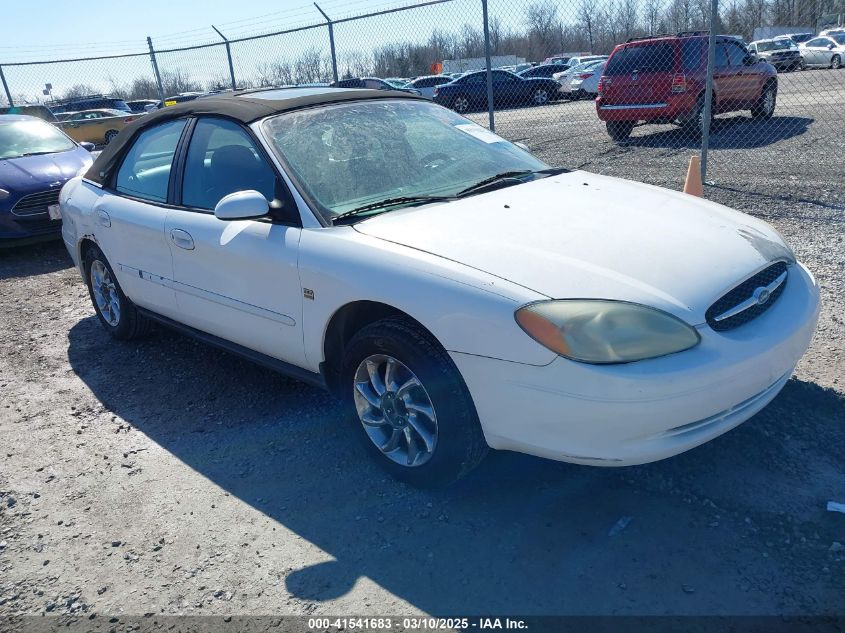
[(105, 293), (769, 102), (395, 410), (461, 104), (541, 97)]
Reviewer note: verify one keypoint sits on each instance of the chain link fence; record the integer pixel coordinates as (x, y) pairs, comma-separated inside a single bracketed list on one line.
[(537, 71)]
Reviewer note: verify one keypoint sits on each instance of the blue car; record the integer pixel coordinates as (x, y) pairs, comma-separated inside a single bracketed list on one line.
[(469, 92), (36, 159)]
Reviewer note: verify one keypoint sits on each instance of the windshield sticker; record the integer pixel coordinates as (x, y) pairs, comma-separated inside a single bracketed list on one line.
[(481, 133)]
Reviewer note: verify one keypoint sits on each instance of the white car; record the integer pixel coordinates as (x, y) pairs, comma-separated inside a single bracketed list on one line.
[(455, 291), (564, 78), (585, 84), (426, 85), (824, 52)]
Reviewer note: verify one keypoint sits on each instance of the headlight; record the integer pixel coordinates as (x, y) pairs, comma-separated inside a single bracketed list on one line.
[(3, 194), (603, 331)]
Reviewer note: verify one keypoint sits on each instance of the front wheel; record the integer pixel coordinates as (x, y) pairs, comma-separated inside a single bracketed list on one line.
[(540, 97), (619, 130), (461, 104), (765, 106), (412, 409), (117, 314)]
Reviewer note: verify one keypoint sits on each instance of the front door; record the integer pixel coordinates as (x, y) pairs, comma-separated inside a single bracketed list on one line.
[(237, 280)]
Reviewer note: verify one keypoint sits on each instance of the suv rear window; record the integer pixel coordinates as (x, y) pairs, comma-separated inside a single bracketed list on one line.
[(692, 53), (658, 57)]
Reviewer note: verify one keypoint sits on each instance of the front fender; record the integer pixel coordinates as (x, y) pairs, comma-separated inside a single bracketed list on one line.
[(467, 310)]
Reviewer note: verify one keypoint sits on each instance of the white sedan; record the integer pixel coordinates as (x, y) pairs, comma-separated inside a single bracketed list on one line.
[(453, 290)]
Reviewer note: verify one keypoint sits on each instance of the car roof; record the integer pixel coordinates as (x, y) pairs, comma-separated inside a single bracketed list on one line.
[(244, 106), (8, 118)]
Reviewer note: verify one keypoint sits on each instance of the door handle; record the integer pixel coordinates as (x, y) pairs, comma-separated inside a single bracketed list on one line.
[(182, 239), (103, 218)]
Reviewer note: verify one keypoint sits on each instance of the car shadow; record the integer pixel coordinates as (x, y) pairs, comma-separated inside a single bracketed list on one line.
[(33, 259), (734, 132), (519, 535)]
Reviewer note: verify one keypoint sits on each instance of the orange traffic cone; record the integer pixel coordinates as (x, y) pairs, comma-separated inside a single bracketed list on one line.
[(692, 185)]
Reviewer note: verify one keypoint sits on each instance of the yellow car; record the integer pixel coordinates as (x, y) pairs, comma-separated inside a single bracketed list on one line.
[(96, 126)]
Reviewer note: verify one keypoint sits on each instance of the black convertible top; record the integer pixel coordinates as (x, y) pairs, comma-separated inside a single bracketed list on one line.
[(245, 106)]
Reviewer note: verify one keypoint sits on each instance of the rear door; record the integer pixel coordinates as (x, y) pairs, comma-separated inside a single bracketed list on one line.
[(235, 279), (747, 79), (725, 81), (640, 73), (130, 218)]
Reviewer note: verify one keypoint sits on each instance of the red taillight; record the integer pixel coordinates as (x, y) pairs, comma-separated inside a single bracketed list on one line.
[(679, 83), (585, 75), (436, 91), (604, 82), (129, 118)]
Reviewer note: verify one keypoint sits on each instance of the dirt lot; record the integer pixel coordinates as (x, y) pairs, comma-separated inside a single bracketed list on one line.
[(163, 476)]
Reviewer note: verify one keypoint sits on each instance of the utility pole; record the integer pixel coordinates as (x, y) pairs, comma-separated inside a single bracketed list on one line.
[(229, 55), (155, 70)]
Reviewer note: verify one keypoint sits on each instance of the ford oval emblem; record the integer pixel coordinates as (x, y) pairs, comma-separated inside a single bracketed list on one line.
[(762, 295)]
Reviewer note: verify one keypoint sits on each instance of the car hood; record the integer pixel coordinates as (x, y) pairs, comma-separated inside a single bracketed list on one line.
[(33, 172), (587, 236)]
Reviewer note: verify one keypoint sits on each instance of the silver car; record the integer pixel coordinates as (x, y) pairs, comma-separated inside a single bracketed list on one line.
[(565, 77), (824, 51)]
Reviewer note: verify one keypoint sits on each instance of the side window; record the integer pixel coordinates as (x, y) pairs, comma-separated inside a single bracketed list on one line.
[(736, 54), (476, 78), (223, 159), (721, 56), (816, 42), (145, 171)]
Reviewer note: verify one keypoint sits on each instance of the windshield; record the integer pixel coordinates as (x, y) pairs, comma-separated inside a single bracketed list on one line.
[(345, 156), (839, 39), (23, 138), (775, 45)]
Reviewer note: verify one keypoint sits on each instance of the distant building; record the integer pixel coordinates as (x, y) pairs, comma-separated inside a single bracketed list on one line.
[(768, 32), (479, 63)]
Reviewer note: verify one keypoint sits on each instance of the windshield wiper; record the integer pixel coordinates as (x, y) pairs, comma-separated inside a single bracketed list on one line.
[(35, 154), (390, 202), (508, 175)]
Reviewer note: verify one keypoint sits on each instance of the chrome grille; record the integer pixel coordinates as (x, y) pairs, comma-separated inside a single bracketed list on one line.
[(748, 300), (36, 203)]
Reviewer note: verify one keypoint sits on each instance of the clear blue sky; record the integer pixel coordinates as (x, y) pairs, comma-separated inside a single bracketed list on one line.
[(53, 29)]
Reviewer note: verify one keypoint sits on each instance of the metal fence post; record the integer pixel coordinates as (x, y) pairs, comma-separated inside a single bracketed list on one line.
[(490, 116), (155, 70), (229, 55), (6, 88), (708, 88), (331, 40)]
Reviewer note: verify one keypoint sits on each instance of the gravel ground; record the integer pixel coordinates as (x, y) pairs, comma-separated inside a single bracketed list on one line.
[(163, 476)]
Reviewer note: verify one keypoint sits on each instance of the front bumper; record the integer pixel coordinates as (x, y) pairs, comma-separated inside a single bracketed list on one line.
[(619, 415), (15, 230)]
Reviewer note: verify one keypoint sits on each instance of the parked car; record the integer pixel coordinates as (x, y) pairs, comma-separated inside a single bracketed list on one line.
[(564, 78), (426, 85), (90, 102), (181, 98), (824, 52), (470, 91), (585, 84), (782, 53), (141, 105), (574, 61), (799, 38), (839, 30), (543, 70), (36, 159), (31, 109), (96, 126), (661, 80), (480, 299), (370, 83)]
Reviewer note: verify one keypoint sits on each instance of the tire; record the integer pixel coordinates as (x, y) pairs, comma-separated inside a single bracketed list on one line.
[(693, 126), (540, 97), (117, 314), (109, 136), (765, 106), (461, 104), (836, 62), (451, 430), (619, 130)]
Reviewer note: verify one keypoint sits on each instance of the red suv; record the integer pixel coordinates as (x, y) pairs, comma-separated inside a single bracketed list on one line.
[(661, 79)]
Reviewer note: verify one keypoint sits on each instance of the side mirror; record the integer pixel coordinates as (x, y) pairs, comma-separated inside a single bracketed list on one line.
[(749, 59), (831, 47), (522, 146), (242, 205), (86, 145)]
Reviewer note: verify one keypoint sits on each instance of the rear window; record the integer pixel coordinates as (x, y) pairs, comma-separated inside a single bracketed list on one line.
[(692, 53), (644, 58)]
